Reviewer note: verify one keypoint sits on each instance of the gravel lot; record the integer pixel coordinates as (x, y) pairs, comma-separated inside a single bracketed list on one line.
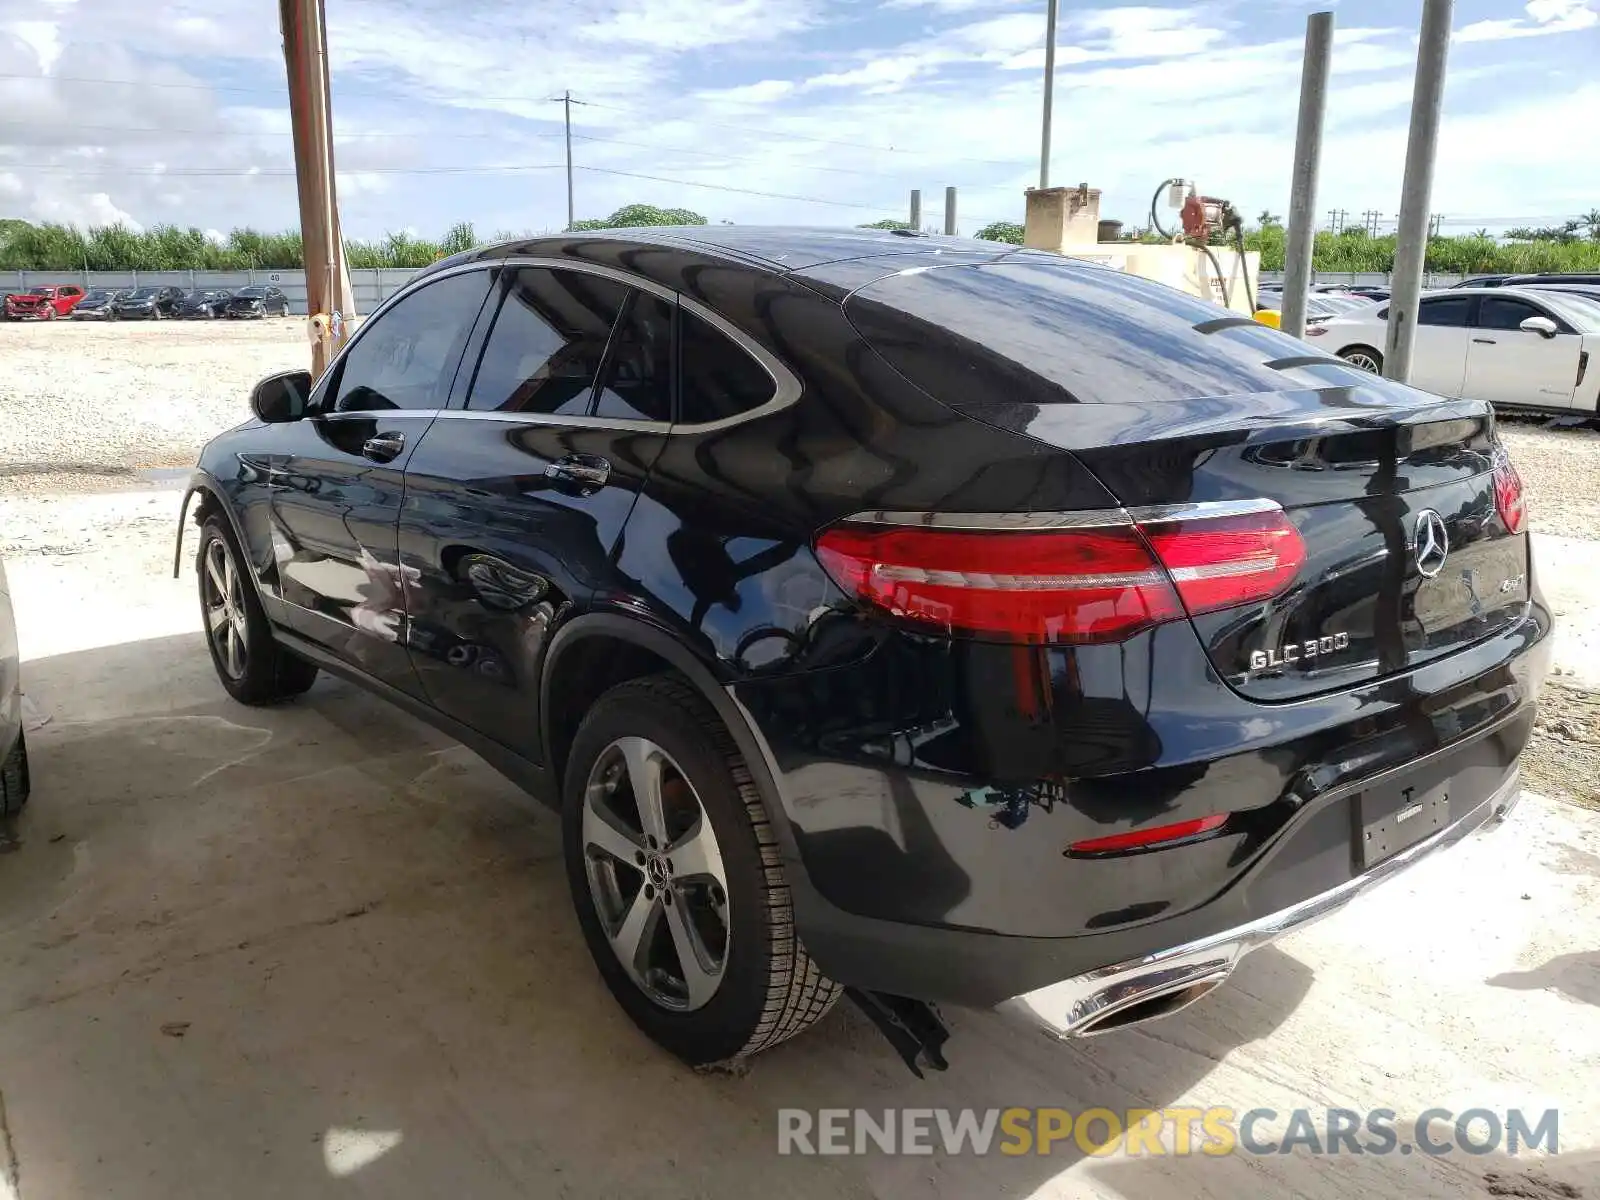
[(105, 408), (85, 406)]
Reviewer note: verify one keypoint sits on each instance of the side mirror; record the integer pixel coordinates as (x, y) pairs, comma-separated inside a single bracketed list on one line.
[(282, 397), (1543, 326)]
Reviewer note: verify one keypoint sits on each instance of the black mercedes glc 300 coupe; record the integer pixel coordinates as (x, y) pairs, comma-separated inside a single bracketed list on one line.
[(918, 619)]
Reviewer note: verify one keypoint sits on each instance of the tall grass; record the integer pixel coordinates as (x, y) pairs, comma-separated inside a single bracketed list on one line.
[(1356, 251), (51, 247)]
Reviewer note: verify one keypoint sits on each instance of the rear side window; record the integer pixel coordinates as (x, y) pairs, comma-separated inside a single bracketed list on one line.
[(1100, 336), (545, 348), (717, 377), (407, 356), (1454, 311), (637, 380)]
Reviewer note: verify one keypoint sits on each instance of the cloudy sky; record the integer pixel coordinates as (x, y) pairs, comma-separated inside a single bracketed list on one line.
[(174, 111)]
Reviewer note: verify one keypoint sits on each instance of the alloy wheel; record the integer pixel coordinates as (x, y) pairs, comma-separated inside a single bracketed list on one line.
[(223, 597), (1362, 361), (655, 874)]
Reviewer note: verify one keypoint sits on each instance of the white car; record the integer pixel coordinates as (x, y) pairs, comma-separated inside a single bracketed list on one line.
[(1510, 346)]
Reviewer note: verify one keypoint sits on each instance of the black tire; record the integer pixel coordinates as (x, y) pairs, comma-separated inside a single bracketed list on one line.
[(1354, 355), (14, 783), (769, 989), (267, 673)]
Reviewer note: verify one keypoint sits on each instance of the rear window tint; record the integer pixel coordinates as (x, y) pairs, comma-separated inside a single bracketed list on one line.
[(1100, 336)]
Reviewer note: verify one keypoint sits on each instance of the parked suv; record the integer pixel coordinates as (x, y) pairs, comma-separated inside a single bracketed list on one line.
[(923, 617), (149, 304), (207, 304), (98, 304), (258, 300)]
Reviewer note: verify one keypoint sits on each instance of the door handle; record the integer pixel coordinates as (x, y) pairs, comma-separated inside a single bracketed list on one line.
[(383, 447), (1485, 341), (589, 472)]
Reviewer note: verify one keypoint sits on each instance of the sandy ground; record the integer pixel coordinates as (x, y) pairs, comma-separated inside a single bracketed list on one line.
[(323, 951)]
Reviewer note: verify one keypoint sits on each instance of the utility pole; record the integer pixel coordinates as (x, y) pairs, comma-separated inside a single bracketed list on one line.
[(1370, 219), (916, 209), (328, 293), (1300, 241), (1049, 92), (566, 104), (1411, 245), (950, 211), (1336, 217)]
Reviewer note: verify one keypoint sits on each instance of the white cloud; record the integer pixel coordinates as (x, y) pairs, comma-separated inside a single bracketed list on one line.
[(750, 93), (96, 208), (42, 37), (1544, 17)]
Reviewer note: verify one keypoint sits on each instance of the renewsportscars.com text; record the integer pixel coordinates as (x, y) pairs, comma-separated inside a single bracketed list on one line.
[(1179, 1132)]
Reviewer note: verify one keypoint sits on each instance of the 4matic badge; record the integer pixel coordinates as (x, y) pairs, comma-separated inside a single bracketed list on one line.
[(1293, 652)]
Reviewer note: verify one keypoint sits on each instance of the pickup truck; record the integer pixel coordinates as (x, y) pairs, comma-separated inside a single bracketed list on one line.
[(42, 303)]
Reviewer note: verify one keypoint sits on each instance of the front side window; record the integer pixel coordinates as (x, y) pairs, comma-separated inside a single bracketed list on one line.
[(407, 356), (547, 342), (1506, 312), (717, 378), (637, 379), (1453, 311)]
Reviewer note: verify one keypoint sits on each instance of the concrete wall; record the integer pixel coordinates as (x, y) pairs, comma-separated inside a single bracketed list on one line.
[(371, 286), (1370, 278)]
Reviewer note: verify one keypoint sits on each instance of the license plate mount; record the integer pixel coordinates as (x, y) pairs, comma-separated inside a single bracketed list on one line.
[(1392, 818)]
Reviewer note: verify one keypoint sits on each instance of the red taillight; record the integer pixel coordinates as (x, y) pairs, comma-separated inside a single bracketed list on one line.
[(1508, 496), (1223, 562), (1150, 839), (1068, 586), (1071, 584)]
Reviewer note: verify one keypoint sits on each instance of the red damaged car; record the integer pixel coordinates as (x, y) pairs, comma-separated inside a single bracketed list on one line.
[(43, 303)]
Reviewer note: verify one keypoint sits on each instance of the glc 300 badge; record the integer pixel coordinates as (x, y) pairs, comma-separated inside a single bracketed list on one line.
[(1293, 652)]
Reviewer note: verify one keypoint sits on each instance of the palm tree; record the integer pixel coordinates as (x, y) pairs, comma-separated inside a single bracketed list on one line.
[(1591, 221), (1267, 218)]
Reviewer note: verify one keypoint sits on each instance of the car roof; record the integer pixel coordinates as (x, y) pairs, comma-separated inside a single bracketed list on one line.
[(779, 249)]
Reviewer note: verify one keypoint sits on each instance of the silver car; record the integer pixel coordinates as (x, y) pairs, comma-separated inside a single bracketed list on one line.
[(13, 747)]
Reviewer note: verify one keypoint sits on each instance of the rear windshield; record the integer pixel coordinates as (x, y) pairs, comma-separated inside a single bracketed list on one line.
[(250, 293), (1099, 335)]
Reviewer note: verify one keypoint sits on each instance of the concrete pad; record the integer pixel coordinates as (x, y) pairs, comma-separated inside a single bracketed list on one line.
[(320, 950)]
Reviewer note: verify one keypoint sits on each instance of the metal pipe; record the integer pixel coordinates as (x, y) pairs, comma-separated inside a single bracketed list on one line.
[(1300, 241), (950, 211), (1411, 248), (916, 209), (1049, 91)]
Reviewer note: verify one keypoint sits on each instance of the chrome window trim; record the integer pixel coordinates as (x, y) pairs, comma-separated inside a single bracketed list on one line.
[(786, 386), (1095, 518), (626, 424)]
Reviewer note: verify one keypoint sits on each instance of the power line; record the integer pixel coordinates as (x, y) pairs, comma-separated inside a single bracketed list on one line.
[(801, 137), (231, 172), (721, 187), (217, 87), (398, 133), (589, 137)]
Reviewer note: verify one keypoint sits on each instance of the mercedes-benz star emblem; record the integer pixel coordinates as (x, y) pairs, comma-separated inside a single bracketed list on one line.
[(1430, 543)]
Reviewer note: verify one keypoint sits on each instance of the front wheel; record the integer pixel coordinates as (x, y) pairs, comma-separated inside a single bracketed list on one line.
[(1363, 358), (674, 870), (252, 666)]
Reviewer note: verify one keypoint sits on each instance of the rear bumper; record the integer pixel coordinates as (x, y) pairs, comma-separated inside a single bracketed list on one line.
[(1111, 996), (926, 883)]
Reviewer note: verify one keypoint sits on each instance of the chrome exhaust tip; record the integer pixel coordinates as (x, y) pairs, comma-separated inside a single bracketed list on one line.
[(1127, 994)]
